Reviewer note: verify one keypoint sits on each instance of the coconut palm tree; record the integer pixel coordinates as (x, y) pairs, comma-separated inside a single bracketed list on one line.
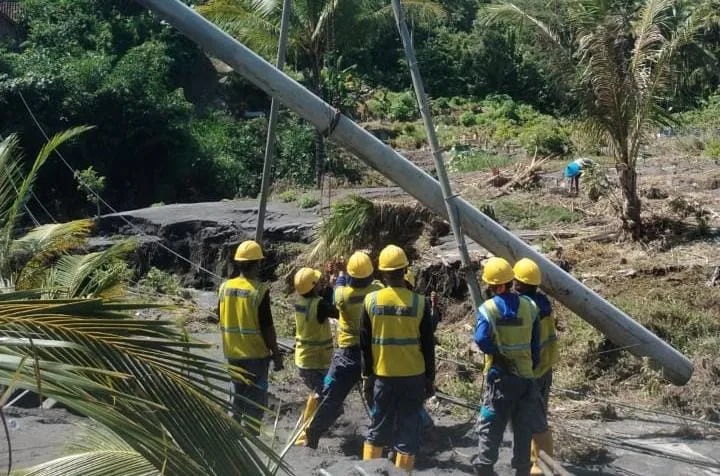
[(620, 57), (317, 28)]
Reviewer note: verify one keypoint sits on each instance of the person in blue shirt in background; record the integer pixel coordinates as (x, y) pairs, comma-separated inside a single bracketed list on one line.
[(573, 171), (508, 332)]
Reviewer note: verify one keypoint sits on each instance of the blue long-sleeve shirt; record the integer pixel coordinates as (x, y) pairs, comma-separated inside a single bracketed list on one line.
[(507, 305)]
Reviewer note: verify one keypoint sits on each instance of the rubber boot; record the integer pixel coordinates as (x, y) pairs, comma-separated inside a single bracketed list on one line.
[(406, 462), (371, 451), (310, 407), (541, 441)]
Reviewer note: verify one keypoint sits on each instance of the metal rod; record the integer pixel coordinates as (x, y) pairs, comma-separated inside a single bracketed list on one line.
[(608, 319), (272, 125), (470, 277)]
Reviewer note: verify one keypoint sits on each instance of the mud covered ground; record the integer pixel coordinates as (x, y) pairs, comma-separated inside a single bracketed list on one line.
[(661, 282)]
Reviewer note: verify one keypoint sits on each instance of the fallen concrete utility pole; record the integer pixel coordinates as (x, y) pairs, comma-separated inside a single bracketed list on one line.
[(272, 125), (470, 277), (610, 320)]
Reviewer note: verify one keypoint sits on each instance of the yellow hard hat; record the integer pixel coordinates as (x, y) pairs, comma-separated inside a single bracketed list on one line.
[(528, 272), (306, 279), (392, 258), (497, 271), (359, 265), (410, 278), (249, 251)]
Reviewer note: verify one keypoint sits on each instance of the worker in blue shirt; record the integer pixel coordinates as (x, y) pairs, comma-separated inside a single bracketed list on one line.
[(508, 332)]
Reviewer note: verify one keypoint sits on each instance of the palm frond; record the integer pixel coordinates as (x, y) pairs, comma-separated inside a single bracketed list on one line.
[(424, 11), (23, 193), (96, 452), (9, 176), (359, 223), (141, 379), (250, 22), (514, 15), (37, 249), (82, 276)]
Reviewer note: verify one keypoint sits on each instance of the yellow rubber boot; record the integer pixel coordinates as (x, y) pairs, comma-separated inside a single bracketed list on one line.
[(406, 462), (541, 441), (310, 408), (371, 451)]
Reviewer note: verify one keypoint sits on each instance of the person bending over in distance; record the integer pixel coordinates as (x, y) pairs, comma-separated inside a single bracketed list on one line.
[(573, 171)]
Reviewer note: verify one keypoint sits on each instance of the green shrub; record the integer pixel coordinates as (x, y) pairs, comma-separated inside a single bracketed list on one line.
[(296, 151), (377, 109), (474, 160), (288, 196), (467, 119), (712, 148), (308, 201), (403, 107), (546, 135), (161, 282)]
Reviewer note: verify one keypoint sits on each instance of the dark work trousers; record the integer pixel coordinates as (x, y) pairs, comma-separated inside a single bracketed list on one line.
[(398, 404), (313, 379), (508, 398), (544, 384), (343, 375), (250, 398)]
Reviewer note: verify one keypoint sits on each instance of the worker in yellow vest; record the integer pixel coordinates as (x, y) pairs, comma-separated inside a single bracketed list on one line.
[(345, 369), (527, 279), (313, 338), (436, 317), (398, 349), (507, 331), (248, 334)]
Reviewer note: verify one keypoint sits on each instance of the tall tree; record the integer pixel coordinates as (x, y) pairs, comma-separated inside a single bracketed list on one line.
[(318, 29), (619, 56)]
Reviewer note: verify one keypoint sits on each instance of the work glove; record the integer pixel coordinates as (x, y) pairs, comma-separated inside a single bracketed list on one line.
[(429, 388), (368, 388), (277, 362)]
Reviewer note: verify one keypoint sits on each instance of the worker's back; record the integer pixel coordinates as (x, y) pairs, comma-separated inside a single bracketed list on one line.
[(313, 340), (395, 315), (511, 318), (349, 302), (240, 300)]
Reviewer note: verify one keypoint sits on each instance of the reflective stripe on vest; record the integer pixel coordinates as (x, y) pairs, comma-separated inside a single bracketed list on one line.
[(513, 337), (239, 320), (313, 341), (349, 302), (395, 316)]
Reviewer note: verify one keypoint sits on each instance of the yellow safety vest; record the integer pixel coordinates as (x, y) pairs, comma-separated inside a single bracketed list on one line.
[(313, 341), (395, 315), (513, 338), (549, 353), (240, 300), (349, 303)]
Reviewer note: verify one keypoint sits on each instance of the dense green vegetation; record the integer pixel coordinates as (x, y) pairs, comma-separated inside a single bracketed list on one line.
[(173, 126)]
